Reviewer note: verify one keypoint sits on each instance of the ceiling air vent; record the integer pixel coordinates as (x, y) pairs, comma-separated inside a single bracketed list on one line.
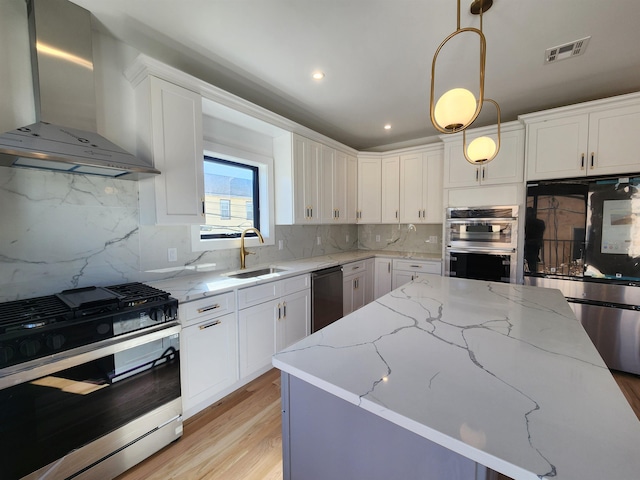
[(568, 50)]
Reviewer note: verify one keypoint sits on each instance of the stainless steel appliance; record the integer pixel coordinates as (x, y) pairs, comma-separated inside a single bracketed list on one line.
[(326, 297), (64, 136), (480, 243), (89, 381), (582, 237)]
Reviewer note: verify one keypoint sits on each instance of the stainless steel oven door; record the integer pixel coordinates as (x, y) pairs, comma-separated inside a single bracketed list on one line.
[(91, 411), (481, 264), (482, 233)]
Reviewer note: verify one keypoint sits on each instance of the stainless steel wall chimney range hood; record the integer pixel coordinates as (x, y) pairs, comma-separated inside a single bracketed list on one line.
[(63, 137)]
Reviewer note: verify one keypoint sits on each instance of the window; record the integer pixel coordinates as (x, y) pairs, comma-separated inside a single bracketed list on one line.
[(225, 209), (232, 198)]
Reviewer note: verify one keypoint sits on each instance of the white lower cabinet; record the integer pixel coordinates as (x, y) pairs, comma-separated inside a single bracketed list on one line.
[(209, 350), (354, 281), (383, 276), (272, 316), (405, 271)]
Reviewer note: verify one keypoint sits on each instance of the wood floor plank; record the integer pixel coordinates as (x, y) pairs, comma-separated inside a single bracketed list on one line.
[(240, 437)]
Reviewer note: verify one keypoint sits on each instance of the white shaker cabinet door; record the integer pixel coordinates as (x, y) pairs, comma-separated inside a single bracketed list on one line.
[(174, 143)]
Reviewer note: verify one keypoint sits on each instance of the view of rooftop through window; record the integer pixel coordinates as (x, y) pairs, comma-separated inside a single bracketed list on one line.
[(231, 198)]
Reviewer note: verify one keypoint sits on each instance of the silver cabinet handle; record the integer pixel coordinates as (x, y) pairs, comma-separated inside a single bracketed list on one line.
[(210, 307), (279, 311), (212, 324), (416, 266), (592, 160), (389, 267), (582, 162), (284, 309), (477, 174)]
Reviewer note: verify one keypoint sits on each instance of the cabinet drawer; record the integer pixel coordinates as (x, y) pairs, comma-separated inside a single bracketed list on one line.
[(295, 284), (209, 307), (259, 294), (353, 268), (417, 266)]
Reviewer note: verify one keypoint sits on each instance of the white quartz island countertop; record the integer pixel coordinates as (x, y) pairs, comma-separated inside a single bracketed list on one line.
[(500, 373)]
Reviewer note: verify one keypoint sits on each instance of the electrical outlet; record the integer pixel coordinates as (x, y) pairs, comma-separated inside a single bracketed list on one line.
[(319, 240), (378, 238), (172, 254), (280, 244), (433, 239)]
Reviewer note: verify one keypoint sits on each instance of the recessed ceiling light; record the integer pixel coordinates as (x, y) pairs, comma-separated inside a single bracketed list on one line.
[(318, 75), (387, 127)]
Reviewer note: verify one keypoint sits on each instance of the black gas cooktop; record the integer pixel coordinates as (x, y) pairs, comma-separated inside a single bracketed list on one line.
[(40, 326)]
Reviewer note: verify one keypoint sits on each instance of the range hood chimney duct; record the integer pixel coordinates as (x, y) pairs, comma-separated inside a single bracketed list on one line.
[(63, 137)]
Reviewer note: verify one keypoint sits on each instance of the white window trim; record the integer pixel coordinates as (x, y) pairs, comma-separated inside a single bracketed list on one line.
[(267, 205)]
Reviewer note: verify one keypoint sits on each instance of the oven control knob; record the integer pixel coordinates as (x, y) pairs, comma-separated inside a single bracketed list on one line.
[(55, 341), (103, 328), (156, 314), (171, 311), (6, 354), (30, 347)]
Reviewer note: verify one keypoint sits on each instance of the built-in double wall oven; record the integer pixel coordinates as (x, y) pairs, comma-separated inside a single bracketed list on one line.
[(481, 243)]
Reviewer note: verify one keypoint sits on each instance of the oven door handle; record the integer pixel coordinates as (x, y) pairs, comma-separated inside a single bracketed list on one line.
[(27, 371), (504, 251)]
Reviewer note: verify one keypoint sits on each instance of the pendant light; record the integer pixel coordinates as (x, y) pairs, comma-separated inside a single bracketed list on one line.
[(458, 108), (482, 149)]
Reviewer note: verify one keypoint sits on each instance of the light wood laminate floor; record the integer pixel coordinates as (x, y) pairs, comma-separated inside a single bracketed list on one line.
[(239, 437)]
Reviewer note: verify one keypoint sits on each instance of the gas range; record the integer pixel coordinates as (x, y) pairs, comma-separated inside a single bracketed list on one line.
[(42, 326)]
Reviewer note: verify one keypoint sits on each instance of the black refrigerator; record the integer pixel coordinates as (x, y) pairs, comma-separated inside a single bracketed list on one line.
[(582, 236)]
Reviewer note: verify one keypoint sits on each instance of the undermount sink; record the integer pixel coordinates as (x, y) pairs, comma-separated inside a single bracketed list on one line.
[(255, 273)]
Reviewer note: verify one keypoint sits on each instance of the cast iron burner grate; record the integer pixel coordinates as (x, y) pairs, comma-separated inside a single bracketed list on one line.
[(33, 313)]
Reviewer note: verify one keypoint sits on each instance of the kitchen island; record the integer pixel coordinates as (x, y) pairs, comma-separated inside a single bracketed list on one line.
[(450, 376)]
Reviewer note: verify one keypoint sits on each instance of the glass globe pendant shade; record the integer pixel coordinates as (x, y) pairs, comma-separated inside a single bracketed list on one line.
[(455, 109), (481, 150)]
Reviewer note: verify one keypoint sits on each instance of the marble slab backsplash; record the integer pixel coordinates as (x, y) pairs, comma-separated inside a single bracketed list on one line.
[(407, 238), (60, 231)]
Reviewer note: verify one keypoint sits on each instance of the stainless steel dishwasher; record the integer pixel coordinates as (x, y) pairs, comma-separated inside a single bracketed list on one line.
[(326, 297)]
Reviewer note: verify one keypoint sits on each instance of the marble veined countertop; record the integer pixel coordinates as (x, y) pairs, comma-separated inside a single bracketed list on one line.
[(503, 374), (194, 286)]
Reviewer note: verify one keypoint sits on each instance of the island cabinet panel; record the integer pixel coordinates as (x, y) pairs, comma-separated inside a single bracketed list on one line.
[(325, 437)]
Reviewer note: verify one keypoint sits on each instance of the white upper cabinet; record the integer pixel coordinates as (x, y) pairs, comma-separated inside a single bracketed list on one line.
[(595, 138), (369, 190), (390, 189), (170, 125), (507, 167), (314, 183), (338, 186), (351, 189), (421, 186)]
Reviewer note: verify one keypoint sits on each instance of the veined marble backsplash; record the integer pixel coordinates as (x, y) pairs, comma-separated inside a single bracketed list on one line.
[(61, 231), (407, 238)]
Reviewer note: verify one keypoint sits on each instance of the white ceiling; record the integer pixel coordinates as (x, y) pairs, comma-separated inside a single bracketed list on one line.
[(377, 54)]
